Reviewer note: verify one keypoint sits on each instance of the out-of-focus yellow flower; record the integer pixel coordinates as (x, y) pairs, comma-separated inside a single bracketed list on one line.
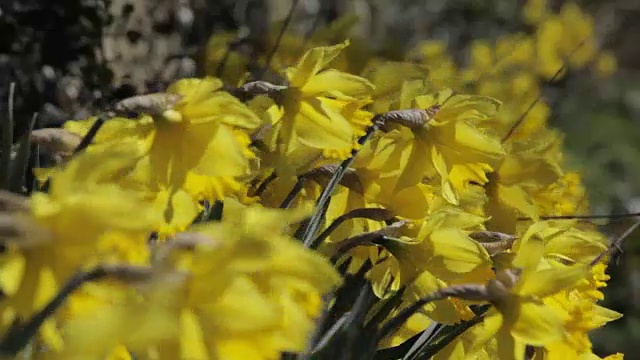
[(535, 11), (236, 289), (567, 35), (578, 41), (607, 64), (223, 60), (86, 219), (120, 353), (550, 55), (392, 79), (443, 72), (252, 291), (514, 49), (482, 56), (566, 196), (82, 206)]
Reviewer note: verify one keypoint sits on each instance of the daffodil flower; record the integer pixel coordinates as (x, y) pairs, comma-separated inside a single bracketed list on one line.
[(199, 146), (85, 219), (450, 145), (521, 316), (312, 114)]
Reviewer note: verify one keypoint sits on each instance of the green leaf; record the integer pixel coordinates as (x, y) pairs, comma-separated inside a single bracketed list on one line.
[(7, 142), (19, 165)]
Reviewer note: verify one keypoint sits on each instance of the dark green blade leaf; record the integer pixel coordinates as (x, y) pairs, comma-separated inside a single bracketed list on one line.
[(7, 141), (19, 165)]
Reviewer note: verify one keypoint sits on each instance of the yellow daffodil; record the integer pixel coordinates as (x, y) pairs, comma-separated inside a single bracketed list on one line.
[(171, 214), (311, 114), (522, 315), (441, 141), (85, 219), (266, 289), (196, 146)]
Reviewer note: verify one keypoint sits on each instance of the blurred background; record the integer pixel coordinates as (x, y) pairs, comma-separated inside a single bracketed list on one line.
[(69, 58)]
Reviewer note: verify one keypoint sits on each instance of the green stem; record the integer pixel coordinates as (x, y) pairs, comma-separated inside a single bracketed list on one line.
[(314, 223), (293, 193), (19, 336)]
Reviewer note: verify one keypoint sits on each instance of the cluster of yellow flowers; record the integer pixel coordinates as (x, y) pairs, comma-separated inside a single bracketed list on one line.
[(170, 231)]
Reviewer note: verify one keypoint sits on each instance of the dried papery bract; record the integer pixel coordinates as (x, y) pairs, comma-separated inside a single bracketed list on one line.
[(491, 236), (324, 173), (13, 202), (497, 247), (252, 89), (501, 286), (19, 229), (494, 242), (16, 224), (127, 273), (257, 138), (158, 104), (59, 142), (411, 118), (184, 241)]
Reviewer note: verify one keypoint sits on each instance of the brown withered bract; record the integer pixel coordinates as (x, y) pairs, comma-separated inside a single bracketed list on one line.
[(411, 118), (503, 283), (471, 292), (11, 226), (494, 242), (152, 104), (257, 138), (491, 236), (13, 202), (322, 174), (189, 240), (183, 241), (255, 88), (127, 273), (59, 142), (494, 248), (17, 225)]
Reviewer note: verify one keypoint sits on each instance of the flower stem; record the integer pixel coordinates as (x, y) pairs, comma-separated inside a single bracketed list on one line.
[(314, 223)]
